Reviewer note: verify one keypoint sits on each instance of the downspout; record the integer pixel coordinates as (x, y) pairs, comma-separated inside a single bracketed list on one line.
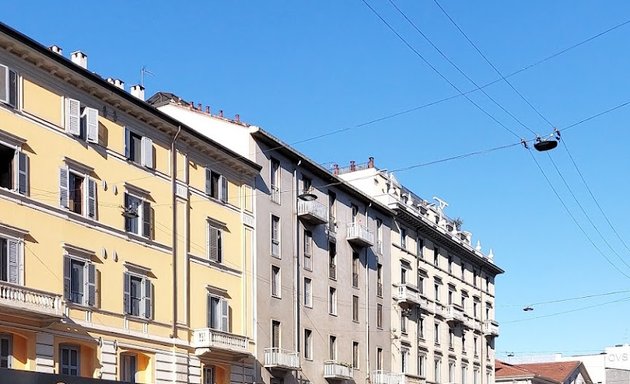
[(367, 299), (297, 259), (483, 368), (174, 224)]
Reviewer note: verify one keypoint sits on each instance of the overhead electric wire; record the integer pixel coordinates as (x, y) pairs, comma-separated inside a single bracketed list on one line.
[(555, 301), (492, 65), (574, 219), (588, 217), (457, 67), (414, 50)]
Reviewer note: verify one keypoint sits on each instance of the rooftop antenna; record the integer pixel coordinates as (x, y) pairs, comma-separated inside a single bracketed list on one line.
[(144, 71)]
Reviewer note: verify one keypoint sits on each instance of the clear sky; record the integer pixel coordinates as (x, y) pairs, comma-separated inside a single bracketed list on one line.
[(300, 69)]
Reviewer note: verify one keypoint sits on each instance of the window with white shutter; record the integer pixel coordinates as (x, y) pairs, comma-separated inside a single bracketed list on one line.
[(14, 169), (138, 148), (215, 244), (89, 121), (79, 281), (137, 295), (78, 192), (218, 313), (10, 260), (73, 117), (216, 185), (8, 86), (138, 215)]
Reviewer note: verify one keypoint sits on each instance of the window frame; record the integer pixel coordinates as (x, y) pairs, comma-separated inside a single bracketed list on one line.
[(89, 193), (12, 96), (128, 375), (218, 190), (142, 209), (89, 283), (275, 178), (19, 167), (147, 297), (214, 242), (14, 254), (308, 292), (145, 157), (308, 250), (308, 344), (332, 301), (9, 357), (276, 250), (222, 312), (276, 282), (70, 348)]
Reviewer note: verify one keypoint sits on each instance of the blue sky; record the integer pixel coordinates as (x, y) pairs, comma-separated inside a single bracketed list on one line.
[(300, 69)]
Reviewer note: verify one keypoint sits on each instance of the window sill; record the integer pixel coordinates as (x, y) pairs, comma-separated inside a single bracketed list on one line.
[(276, 296)]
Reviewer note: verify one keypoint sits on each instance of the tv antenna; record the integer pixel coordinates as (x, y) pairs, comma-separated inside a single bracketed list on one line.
[(144, 71)]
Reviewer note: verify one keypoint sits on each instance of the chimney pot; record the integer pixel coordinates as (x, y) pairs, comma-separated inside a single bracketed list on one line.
[(199, 107), (57, 49), (237, 117), (110, 80), (208, 109), (353, 166), (137, 91), (371, 162), (335, 169), (119, 83), (79, 58), (192, 105), (221, 113)]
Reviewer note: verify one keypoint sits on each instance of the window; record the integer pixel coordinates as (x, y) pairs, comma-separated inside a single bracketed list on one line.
[(463, 342), (437, 292), (13, 168), (275, 236), (77, 192), (420, 325), (8, 86), (451, 371), (138, 216), (420, 249), (80, 121), (403, 238), (379, 316), (451, 338), (403, 274), (332, 210), (422, 363), (404, 359), (420, 284), (308, 250), (276, 287), (69, 360), (79, 281), (138, 149), (10, 260), (474, 277), (308, 293), (437, 370), (308, 344), (464, 373), (275, 181), (332, 260), (464, 294), (306, 184), (475, 309), (437, 333), (355, 308), (436, 256), (355, 213), (128, 367), (5, 351), (450, 264), (355, 355), (275, 334), (379, 280), (379, 359), (332, 347), (450, 297), (476, 376), (138, 295), (476, 345), (403, 323), (463, 272), (218, 313), (215, 243), (356, 263), (332, 301), (208, 375), (379, 236), (216, 185)]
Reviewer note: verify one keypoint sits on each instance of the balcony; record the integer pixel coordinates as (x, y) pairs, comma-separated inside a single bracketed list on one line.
[(455, 314), (277, 358), (24, 301), (407, 295), (383, 377), (359, 235), (209, 340), (312, 212), (335, 370), (491, 328)]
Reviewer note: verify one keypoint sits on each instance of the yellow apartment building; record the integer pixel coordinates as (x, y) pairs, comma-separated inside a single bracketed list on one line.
[(126, 238)]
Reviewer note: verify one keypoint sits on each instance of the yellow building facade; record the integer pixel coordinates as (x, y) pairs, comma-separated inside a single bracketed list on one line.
[(126, 239)]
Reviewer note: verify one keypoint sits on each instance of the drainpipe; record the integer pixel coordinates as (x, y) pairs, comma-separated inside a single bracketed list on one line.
[(367, 299), (174, 231), (482, 369), (296, 259)]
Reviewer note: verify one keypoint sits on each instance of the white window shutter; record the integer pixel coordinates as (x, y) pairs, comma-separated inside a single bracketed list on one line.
[(90, 118), (208, 182), (66, 277), (13, 262), (225, 313), (147, 219), (91, 198), (63, 187), (148, 299), (91, 284), (22, 173), (73, 117), (4, 84), (147, 152), (213, 243), (224, 189), (126, 293)]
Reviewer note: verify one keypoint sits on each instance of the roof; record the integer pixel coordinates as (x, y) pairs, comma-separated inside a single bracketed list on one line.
[(68, 64), (558, 371)]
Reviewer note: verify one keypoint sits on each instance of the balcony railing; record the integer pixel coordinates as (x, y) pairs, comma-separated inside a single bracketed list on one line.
[(20, 298), (383, 377), (455, 313), (312, 211), (332, 271), (212, 338), (337, 371), (359, 234), (281, 359), (491, 328)]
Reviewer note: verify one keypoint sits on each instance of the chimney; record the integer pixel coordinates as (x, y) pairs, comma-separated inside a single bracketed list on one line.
[(79, 58), (192, 105), (208, 109), (137, 91), (237, 117), (371, 162), (119, 83), (353, 166), (57, 49), (221, 113), (110, 80), (199, 107), (335, 169)]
